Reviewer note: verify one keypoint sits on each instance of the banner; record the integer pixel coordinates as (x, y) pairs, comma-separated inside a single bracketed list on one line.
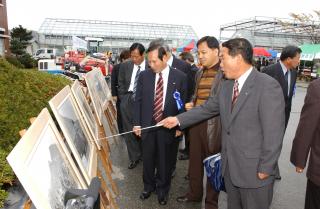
[(78, 43)]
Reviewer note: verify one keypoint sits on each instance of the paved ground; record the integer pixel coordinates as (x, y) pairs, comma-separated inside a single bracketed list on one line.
[(288, 193)]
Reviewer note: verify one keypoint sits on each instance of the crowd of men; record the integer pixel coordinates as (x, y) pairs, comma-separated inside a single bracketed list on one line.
[(225, 106)]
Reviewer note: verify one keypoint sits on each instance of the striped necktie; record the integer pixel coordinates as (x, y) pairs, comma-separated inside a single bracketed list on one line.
[(235, 93), (136, 78), (158, 101)]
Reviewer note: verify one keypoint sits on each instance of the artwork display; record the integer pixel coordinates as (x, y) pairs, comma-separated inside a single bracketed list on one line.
[(86, 111), (43, 164), (97, 95), (75, 131)]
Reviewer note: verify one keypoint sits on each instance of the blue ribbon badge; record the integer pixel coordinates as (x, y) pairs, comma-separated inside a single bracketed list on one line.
[(176, 96)]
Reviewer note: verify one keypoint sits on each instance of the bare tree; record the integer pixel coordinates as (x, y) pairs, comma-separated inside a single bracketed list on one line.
[(304, 25)]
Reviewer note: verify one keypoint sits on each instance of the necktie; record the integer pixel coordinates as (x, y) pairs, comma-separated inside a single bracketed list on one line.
[(235, 92), (136, 82), (286, 77), (158, 101)]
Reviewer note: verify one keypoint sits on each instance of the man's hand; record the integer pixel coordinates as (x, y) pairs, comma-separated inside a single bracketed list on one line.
[(299, 170), (178, 133), (263, 176), (189, 106), (115, 98), (169, 122), (137, 130)]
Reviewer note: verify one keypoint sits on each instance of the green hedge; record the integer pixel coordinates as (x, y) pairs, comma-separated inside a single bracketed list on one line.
[(23, 94)]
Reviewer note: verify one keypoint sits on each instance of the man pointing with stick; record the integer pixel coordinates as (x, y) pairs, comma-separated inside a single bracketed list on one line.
[(251, 108)]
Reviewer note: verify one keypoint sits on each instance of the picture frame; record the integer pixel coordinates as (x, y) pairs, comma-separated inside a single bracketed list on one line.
[(76, 133), (43, 165), (86, 111), (97, 95)]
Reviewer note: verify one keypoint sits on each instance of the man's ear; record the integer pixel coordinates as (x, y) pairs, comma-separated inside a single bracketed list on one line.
[(165, 58)]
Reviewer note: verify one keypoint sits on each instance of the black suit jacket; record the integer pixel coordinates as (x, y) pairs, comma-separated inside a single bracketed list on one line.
[(276, 72), (114, 80), (186, 68), (144, 101), (125, 73)]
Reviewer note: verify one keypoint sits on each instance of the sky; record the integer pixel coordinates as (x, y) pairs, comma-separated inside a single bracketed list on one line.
[(205, 16)]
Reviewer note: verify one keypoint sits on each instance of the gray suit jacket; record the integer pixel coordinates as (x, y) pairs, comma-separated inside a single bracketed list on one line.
[(252, 133)]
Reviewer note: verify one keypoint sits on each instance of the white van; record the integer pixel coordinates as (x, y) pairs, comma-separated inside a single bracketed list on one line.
[(47, 53)]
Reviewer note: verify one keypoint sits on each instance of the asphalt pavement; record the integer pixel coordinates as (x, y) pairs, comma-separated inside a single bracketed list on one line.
[(289, 193)]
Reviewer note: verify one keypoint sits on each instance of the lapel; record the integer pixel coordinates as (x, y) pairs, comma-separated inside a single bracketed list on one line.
[(244, 93), (130, 70), (292, 81), (227, 96), (171, 87), (151, 85), (282, 80)]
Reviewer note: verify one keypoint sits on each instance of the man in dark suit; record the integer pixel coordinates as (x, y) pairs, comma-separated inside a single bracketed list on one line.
[(183, 66), (154, 101), (129, 73), (124, 55), (251, 135), (307, 140), (285, 73)]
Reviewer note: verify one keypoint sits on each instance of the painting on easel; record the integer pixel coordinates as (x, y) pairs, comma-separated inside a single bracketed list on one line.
[(42, 164), (75, 131), (96, 92), (86, 111)]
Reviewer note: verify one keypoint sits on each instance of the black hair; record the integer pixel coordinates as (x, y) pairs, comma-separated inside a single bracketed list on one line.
[(240, 46), (211, 41), (289, 51), (161, 50), (186, 56), (125, 54), (138, 46)]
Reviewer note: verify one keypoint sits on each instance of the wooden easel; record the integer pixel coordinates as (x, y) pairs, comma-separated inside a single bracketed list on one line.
[(103, 154)]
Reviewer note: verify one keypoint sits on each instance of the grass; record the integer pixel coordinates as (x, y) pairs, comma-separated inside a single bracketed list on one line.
[(23, 94)]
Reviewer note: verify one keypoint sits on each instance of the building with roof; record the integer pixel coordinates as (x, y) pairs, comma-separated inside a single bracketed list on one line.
[(271, 32), (116, 35), (4, 32)]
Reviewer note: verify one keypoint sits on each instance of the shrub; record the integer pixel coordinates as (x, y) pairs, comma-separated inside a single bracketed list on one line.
[(27, 61), (13, 60)]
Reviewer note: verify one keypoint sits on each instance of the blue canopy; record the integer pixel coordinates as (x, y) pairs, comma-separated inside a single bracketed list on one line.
[(273, 53)]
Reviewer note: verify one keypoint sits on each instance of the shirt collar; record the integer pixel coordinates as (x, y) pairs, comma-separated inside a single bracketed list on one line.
[(165, 72), (284, 68), (242, 79), (170, 61), (142, 65)]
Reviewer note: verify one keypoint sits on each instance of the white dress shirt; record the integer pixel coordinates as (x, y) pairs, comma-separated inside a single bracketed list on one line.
[(165, 76), (134, 72), (170, 61), (284, 70), (242, 79)]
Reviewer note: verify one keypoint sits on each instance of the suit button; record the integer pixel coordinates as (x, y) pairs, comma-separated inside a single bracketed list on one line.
[(228, 132)]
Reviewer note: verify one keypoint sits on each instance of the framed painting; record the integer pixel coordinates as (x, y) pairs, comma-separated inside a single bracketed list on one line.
[(75, 131), (104, 85), (86, 111), (43, 164), (97, 95)]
